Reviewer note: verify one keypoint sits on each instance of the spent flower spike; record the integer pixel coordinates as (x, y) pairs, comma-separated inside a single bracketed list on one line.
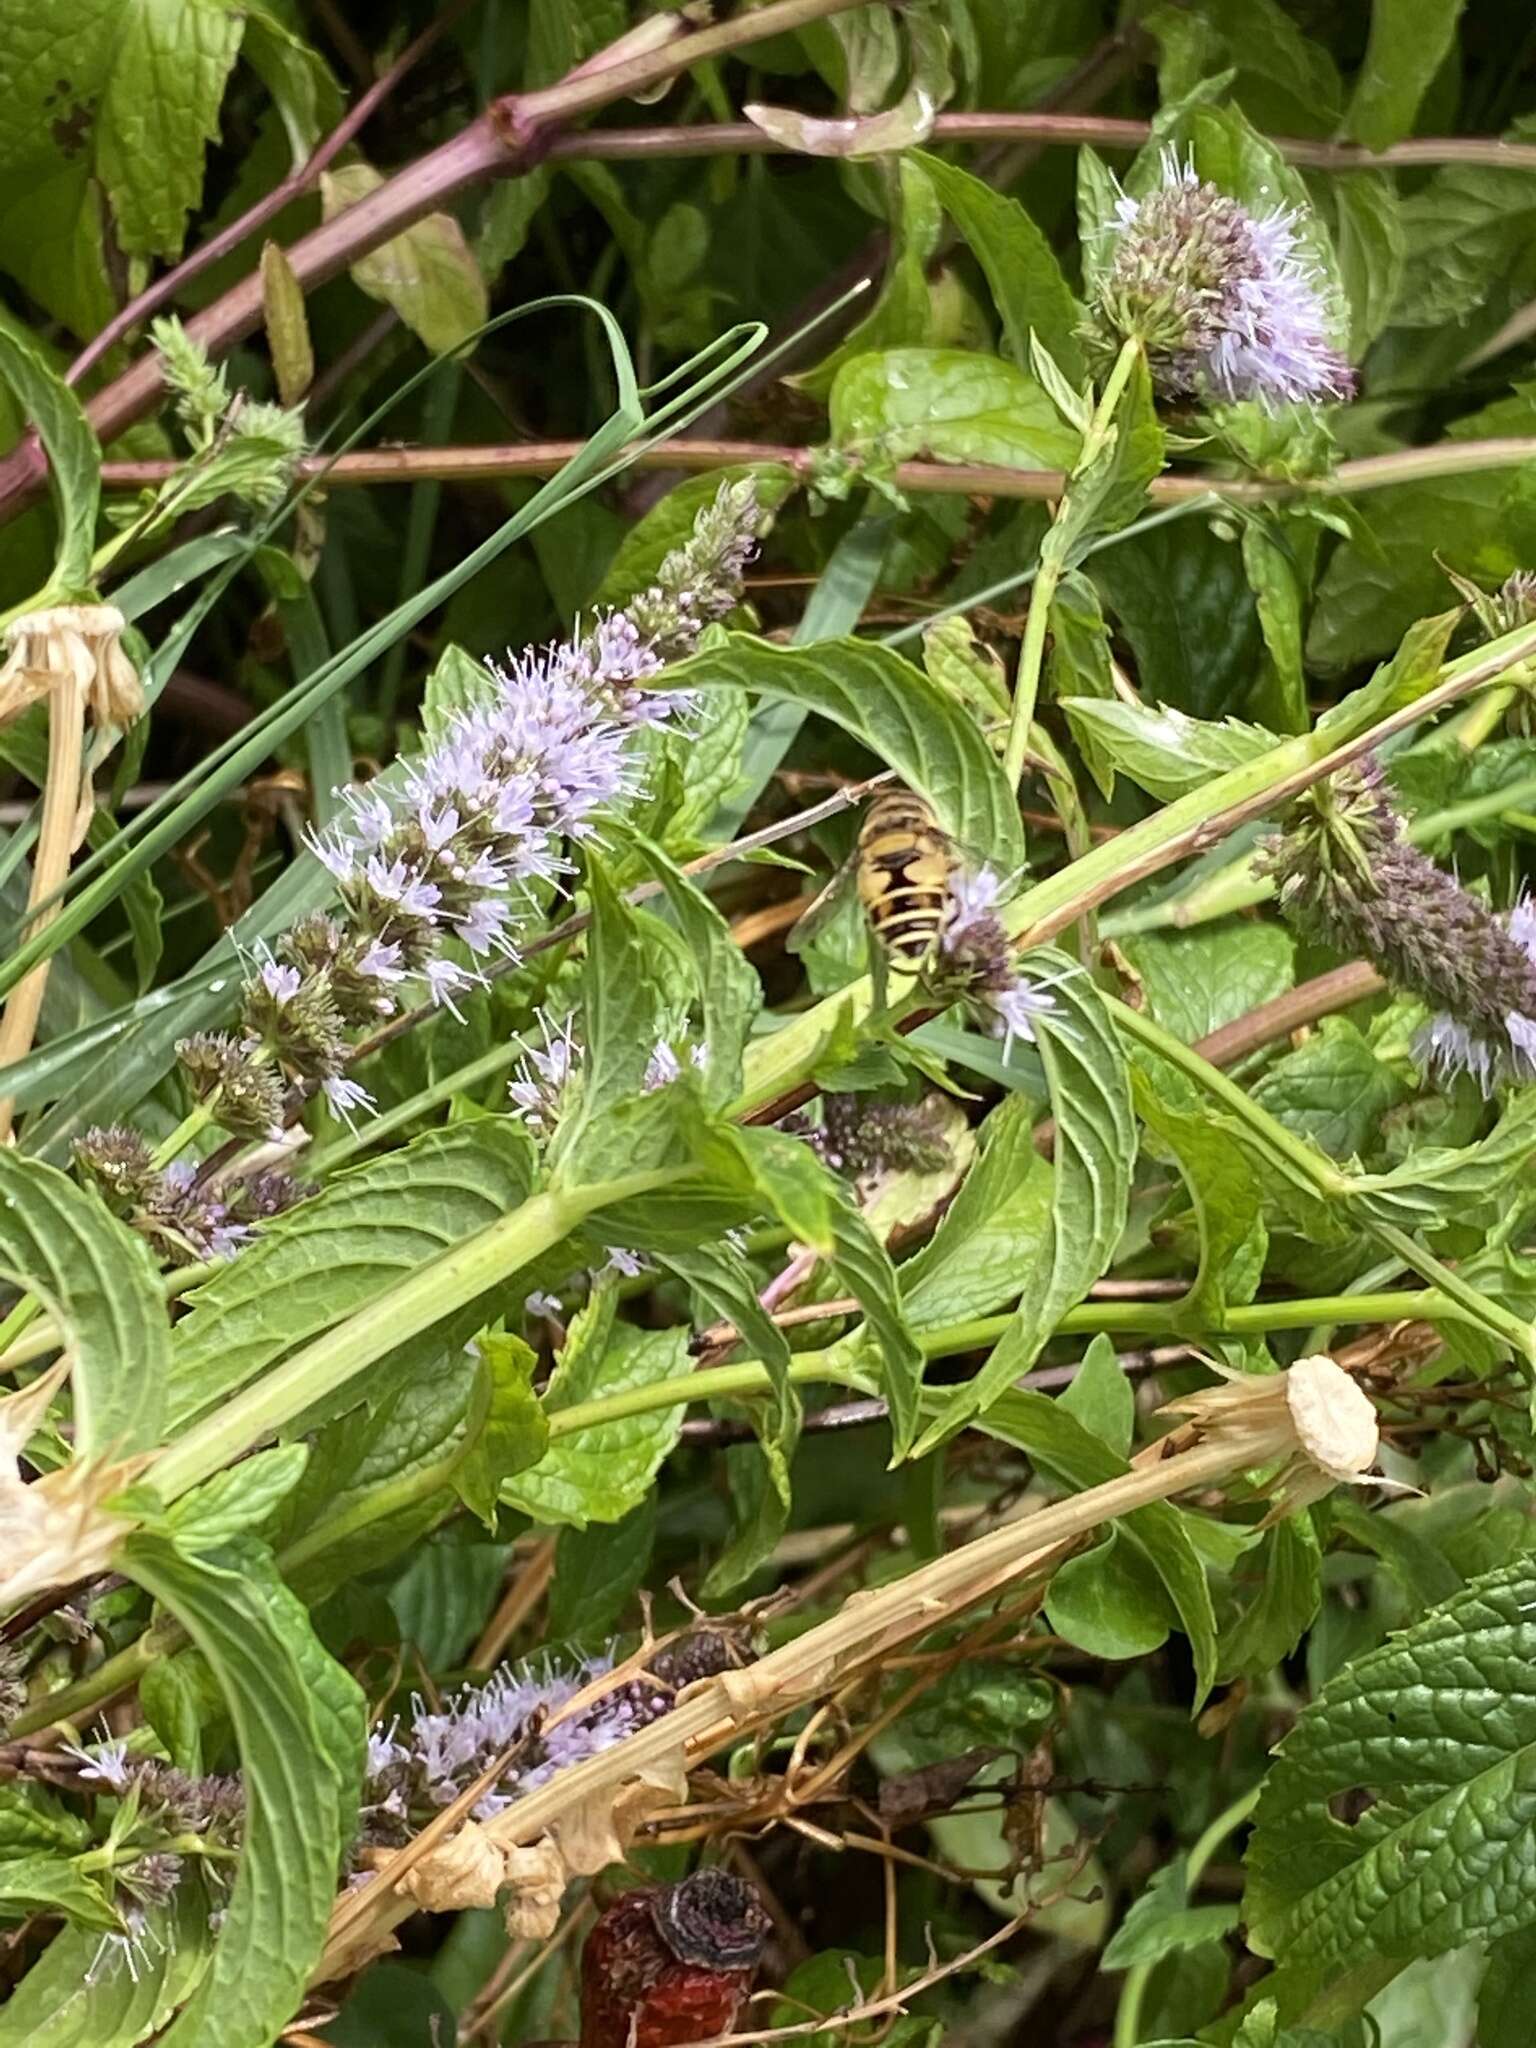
[(1349, 878), (1226, 302)]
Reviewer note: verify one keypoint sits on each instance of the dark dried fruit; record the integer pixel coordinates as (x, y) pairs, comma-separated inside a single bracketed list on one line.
[(671, 1964)]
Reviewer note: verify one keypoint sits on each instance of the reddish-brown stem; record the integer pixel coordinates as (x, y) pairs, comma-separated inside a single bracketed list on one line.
[(1102, 131), (490, 464), (164, 289)]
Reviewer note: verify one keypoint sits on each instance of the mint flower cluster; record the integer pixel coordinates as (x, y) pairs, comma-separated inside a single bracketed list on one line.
[(1226, 302), (436, 875), (1348, 878), (428, 1762), (977, 956), (185, 1222)]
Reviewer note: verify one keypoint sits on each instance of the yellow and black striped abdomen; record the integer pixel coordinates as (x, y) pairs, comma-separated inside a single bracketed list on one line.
[(904, 866)]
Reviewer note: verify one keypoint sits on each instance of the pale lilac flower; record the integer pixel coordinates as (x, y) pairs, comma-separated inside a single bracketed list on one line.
[(281, 983), (629, 1265), (107, 1764), (976, 956), (344, 1095), (1227, 302), (545, 1072)]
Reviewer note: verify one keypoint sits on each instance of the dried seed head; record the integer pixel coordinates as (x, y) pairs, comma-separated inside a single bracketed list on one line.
[(712, 1919), (1312, 1422), (79, 644), (1334, 1418)]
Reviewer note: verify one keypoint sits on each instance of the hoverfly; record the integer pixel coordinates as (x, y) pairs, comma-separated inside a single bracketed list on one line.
[(900, 869)]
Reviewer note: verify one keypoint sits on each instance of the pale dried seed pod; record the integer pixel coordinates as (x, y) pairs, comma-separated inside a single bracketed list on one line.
[(77, 643), (1313, 1420)]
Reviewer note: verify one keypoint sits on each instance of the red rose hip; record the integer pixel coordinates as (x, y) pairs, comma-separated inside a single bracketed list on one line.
[(671, 1964)]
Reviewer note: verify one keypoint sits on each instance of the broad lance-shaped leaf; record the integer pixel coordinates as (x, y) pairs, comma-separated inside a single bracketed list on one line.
[(74, 459), (98, 1282), (1028, 288), (954, 404), (900, 714), (1438, 1183), (301, 1726), (729, 992), (1095, 1149), (1159, 747), (622, 1013), (792, 1183), (314, 1266), (1428, 1746)]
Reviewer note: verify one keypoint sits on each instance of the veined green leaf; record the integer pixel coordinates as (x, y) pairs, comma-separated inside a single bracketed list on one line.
[(730, 994), (301, 1726), (1028, 288), (1429, 1740), (74, 459), (1162, 748), (789, 1180), (1408, 44), (96, 1278), (950, 404), (428, 273), (991, 1234), (312, 1267), (508, 1430), (78, 1995), (234, 1501), (599, 1471), (1162, 1922), (901, 714)]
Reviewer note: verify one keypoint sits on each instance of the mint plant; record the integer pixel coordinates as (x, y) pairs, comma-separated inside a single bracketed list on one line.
[(766, 1024)]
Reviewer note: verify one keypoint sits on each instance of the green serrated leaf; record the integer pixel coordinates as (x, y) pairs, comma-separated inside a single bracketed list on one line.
[(1409, 40), (509, 1431), (1164, 750), (903, 312), (1100, 1397), (428, 274), (74, 459), (992, 1232), (902, 715), (950, 404), (1028, 288), (1089, 1080), (1162, 1922), (1427, 1743), (75, 1996), (598, 1570), (597, 1471), (234, 1501)]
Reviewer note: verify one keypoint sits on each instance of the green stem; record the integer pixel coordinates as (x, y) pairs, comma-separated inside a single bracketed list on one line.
[(1133, 1993), (1237, 886), (1319, 1177), (195, 1121), (1053, 560), (400, 1312)]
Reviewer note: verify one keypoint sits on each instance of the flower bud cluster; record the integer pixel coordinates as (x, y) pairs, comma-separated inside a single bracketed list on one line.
[(976, 958), (435, 877), (1348, 878), (416, 1770), (1225, 302), (184, 1223), (864, 1138)]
